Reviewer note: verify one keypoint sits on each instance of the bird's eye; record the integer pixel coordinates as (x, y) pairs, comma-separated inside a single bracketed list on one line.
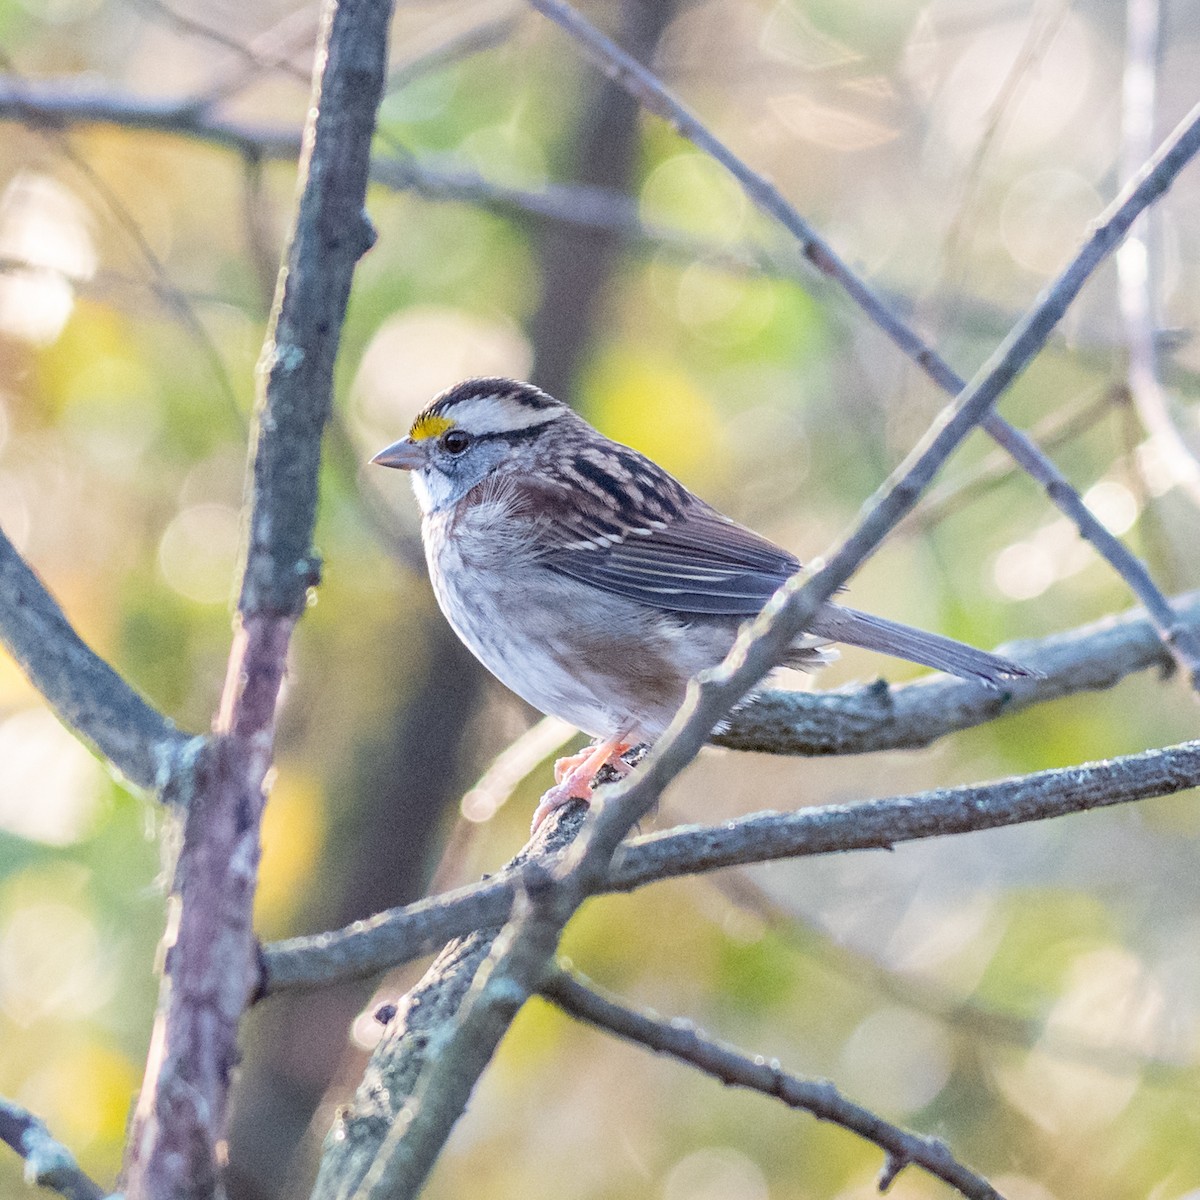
[(455, 441)]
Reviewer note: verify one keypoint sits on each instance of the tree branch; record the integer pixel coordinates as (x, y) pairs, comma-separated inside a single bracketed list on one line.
[(408, 1149), (681, 1040), (650, 92), (210, 973), (414, 1035), (759, 647), (48, 1163), (55, 104), (859, 720), (399, 935), (86, 694)]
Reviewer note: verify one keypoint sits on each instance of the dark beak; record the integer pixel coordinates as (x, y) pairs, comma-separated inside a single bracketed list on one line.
[(405, 454)]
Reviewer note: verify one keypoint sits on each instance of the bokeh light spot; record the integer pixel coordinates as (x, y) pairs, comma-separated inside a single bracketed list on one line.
[(1113, 505), (44, 235), (51, 963), (198, 552), (417, 353), (898, 1061), (693, 193), (49, 787), (1043, 215), (715, 1173), (655, 407), (1023, 570)]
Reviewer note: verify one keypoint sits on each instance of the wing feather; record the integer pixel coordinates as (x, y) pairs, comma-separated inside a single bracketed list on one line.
[(699, 562)]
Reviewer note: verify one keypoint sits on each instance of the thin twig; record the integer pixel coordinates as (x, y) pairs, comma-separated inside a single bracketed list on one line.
[(1135, 259), (271, 51), (86, 694), (650, 92), (680, 1039), (57, 103), (1059, 428), (741, 886), (401, 934), (179, 1125), (513, 765), (48, 1163), (486, 35), (175, 299), (1039, 37)]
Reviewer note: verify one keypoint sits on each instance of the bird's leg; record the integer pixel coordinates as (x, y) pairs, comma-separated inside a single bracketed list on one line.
[(574, 775)]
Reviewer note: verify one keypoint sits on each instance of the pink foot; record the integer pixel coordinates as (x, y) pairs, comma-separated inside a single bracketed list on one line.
[(576, 774), (564, 766)]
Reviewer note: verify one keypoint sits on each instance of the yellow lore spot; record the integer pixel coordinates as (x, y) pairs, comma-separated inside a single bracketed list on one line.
[(429, 425)]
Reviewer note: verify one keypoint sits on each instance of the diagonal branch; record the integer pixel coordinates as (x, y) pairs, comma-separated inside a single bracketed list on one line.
[(48, 1163), (681, 1040), (522, 953), (649, 91), (86, 694), (401, 934), (412, 1039), (516, 965)]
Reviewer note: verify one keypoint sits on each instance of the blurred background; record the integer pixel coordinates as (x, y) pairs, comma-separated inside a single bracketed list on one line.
[(1032, 995)]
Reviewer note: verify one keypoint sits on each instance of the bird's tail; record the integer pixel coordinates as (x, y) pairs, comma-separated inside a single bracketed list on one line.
[(856, 628)]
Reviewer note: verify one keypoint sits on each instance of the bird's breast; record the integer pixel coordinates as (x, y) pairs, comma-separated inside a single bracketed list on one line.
[(605, 664)]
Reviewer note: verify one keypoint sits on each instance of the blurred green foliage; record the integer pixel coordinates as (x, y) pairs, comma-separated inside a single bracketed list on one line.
[(121, 467)]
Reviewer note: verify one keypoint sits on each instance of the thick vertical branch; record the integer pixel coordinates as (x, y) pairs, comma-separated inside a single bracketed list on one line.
[(177, 1139)]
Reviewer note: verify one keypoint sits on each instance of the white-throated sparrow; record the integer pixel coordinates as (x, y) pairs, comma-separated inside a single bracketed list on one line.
[(591, 582)]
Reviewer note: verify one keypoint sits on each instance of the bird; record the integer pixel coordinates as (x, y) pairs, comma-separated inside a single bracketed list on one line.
[(594, 584)]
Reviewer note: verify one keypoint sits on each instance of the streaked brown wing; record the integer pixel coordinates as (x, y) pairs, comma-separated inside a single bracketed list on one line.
[(695, 562)]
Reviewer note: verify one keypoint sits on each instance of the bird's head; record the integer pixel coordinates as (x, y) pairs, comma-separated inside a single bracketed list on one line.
[(468, 432)]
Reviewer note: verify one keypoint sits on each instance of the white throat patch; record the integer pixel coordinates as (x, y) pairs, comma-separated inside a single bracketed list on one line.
[(433, 490)]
